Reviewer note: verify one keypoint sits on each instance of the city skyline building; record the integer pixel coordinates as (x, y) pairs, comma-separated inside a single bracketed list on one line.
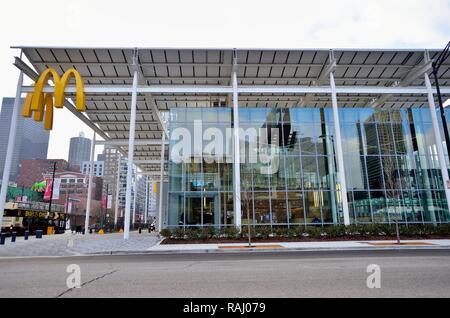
[(79, 150), (31, 139)]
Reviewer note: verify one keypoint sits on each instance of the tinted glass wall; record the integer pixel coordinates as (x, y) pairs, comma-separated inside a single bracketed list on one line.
[(288, 167)]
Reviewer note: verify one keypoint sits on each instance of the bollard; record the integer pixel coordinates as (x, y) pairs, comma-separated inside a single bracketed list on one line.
[(25, 235), (13, 236), (2, 238), (140, 230)]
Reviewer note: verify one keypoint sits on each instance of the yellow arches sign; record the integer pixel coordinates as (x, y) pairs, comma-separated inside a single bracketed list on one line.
[(38, 101)]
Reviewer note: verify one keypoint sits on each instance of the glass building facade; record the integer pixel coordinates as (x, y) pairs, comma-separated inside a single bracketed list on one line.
[(390, 159)]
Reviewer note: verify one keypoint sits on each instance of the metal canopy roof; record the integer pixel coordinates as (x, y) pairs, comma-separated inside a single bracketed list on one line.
[(168, 66)]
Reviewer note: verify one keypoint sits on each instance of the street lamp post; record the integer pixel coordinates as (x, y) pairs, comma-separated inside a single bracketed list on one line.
[(436, 65), (51, 191)]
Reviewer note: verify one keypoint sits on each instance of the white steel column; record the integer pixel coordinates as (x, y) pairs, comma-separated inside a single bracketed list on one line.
[(11, 145), (89, 196), (126, 230), (146, 200), (116, 212), (437, 136), (161, 183), (134, 200), (340, 156), (236, 157)]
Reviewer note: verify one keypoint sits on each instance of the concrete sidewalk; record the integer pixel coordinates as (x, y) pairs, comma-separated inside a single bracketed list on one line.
[(77, 244), (299, 246)]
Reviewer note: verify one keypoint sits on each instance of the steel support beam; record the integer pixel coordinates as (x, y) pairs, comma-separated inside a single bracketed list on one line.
[(89, 196), (161, 185), (414, 74), (11, 145), (254, 89), (339, 152), (126, 233), (116, 208), (322, 78), (146, 200), (236, 152), (134, 200), (124, 142), (149, 161), (439, 146)]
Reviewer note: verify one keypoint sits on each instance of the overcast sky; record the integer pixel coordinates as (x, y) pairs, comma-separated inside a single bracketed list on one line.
[(209, 23)]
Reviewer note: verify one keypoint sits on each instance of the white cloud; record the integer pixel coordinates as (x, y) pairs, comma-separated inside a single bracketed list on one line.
[(207, 23)]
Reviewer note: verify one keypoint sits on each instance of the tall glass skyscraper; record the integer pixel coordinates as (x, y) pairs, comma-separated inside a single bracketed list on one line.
[(31, 138), (288, 167), (79, 151)]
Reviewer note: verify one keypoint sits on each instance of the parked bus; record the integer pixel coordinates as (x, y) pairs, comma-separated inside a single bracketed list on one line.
[(32, 216)]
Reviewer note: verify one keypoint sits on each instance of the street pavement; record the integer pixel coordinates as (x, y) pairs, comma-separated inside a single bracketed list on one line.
[(404, 273)]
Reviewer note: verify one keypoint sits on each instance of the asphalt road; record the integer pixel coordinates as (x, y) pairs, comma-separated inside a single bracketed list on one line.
[(404, 273)]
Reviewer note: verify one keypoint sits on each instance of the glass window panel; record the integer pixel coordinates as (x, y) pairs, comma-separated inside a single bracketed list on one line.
[(176, 172), (378, 201), (210, 176), (194, 177), (312, 206), (209, 115), (362, 209), (328, 208), (211, 208), (193, 114), (325, 174), (309, 135), (193, 209), (226, 176), (385, 138), (226, 207), (176, 211), (278, 200), (295, 208), (247, 206), (293, 173), (382, 116), (262, 207), (372, 146), (374, 172), (310, 174)]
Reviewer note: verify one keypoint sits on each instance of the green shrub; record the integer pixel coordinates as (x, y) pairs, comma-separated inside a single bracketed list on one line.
[(280, 231), (178, 233), (206, 233), (314, 231), (336, 231), (263, 232), (292, 232), (191, 233), (166, 233), (244, 232), (229, 232), (299, 230)]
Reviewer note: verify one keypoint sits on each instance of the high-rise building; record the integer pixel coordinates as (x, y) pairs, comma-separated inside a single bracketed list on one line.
[(98, 168), (79, 151), (31, 139)]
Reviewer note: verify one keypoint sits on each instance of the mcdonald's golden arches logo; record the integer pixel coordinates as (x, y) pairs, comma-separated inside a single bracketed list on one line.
[(38, 101)]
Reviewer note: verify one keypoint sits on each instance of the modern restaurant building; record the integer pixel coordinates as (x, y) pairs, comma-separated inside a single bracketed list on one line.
[(271, 137)]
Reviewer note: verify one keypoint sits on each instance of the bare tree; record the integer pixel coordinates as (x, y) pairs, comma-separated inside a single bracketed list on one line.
[(394, 185), (245, 188)]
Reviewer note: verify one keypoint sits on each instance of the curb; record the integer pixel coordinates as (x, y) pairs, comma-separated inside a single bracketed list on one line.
[(256, 250)]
